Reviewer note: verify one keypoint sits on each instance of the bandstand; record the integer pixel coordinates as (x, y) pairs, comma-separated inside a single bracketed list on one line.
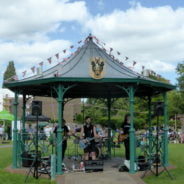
[(90, 73)]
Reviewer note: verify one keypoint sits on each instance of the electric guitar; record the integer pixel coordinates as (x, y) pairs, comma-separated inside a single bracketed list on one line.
[(122, 137), (84, 143)]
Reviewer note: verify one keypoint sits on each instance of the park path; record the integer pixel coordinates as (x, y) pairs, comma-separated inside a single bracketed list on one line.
[(110, 175), (106, 177)]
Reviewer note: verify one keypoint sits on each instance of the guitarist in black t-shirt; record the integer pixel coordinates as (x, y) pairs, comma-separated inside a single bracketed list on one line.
[(65, 134), (126, 128), (88, 133)]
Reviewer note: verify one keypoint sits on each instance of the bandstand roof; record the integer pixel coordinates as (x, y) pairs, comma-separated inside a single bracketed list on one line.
[(93, 73)]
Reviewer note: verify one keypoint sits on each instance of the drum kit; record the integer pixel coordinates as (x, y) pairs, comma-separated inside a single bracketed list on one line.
[(101, 150), (100, 147)]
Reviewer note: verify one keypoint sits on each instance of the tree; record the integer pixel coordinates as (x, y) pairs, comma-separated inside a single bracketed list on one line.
[(97, 108), (180, 72), (175, 103), (10, 71), (175, 98)]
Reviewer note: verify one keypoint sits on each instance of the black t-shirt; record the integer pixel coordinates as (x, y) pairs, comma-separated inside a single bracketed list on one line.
[(126, 128), (88, 131), (65, 131)]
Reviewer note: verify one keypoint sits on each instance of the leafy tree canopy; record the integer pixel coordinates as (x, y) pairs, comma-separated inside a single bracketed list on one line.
[(10, 71)]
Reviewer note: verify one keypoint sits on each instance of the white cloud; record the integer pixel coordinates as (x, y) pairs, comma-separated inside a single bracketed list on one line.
[(20, 19), (152, 36), (27, 55), (25, 28)]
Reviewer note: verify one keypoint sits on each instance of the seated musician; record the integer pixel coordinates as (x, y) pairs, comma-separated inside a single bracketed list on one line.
[(103, 133), (88, 132)]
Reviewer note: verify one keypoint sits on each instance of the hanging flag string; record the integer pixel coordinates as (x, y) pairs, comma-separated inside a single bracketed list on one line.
[(102, 46), (121, 63), (57, 56), (126, 59)]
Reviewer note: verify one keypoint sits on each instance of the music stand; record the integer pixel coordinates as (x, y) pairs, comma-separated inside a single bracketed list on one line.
[(158, 111), (34, 166), (36, 111)]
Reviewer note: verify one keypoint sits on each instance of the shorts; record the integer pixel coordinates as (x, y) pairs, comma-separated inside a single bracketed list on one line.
[(90, 148)]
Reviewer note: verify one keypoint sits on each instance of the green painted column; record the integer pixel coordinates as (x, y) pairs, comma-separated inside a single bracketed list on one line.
[(59, 130), (132, 130), (109, 127), (14, 165), (165, 134), (150, 135), (19, 150), (23, 121), (53, 167)]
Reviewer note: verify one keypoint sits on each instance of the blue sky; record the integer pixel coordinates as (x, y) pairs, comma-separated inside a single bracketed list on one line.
[(150, 32)]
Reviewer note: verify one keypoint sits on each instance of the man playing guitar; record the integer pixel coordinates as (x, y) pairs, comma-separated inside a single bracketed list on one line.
[(88, 132), (65, 134), (126, 128)]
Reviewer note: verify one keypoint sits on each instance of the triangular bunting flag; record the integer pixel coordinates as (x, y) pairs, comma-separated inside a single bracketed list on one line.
[(49, 60), (41, 63), (57, 55), (79, 41), (15, 77), (24, 73), (126, 58), (33, 69)]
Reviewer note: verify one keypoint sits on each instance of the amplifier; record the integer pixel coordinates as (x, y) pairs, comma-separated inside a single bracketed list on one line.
[(93, 165)]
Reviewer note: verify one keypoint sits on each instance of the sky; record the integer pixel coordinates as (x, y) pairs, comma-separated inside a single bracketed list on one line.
[(150, 32)]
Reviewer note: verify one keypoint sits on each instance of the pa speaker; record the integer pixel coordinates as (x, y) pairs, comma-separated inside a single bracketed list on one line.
[(158, 108), (93, 165), (37, 108)]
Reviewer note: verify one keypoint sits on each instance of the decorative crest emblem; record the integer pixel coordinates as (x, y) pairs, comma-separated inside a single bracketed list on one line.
[(97, 67)]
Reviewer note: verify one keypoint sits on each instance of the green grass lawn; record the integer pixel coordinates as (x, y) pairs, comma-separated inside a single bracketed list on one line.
[(9, 178), (176, 158)]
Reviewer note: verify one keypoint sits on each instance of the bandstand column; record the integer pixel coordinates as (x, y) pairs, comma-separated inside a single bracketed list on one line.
[(59, 129), (15, 131), (23, 120), (132, 130), (165, 133), (150, 133), (109, 127)]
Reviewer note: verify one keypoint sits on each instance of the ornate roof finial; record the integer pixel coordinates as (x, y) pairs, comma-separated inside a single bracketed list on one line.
[(90, 36)]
